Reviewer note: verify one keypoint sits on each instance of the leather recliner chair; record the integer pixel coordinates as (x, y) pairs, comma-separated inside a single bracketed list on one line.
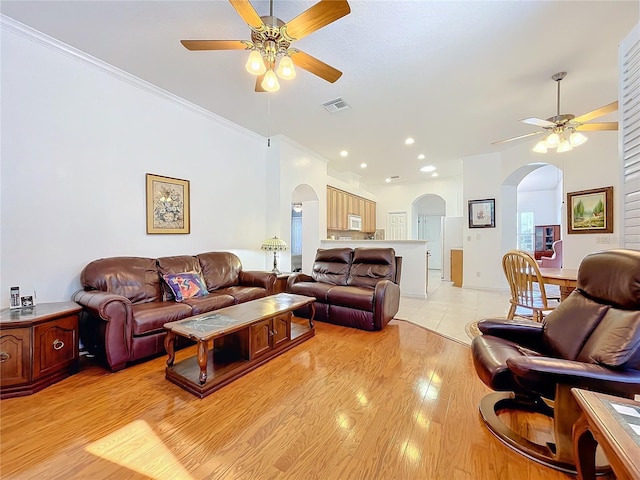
[(590, 341)]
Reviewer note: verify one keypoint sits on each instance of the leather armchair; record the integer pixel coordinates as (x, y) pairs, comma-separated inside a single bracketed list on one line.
[(590, 341)]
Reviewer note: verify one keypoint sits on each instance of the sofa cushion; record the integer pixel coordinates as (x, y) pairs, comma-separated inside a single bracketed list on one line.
[(311, 289), (176, 264), (360, 298), (370, 265), (135, 278), (332, 265), (151, 317), (185, 285), (219, 269), (208, 303), (242, 294)]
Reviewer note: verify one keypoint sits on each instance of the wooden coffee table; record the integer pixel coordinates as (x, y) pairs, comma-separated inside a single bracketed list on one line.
[(234, 340)]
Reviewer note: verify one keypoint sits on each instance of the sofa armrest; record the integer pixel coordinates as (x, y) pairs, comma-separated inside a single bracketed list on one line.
[(298, 277), (589, 376), (527, 333), (386, 302), (256, 278), (115, 311)]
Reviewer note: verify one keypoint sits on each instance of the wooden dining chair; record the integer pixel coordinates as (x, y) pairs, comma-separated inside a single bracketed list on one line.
[(523, 274)]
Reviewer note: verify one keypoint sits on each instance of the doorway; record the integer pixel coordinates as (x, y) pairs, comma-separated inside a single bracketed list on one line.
[(428, 213), (305, 227)]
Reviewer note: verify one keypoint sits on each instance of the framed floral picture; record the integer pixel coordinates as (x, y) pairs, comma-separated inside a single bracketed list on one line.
[(590, 211), (482, 213), (167, 205)]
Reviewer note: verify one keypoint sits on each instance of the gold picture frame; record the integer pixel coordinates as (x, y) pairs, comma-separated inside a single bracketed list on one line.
[(590, 211), (167, 205)]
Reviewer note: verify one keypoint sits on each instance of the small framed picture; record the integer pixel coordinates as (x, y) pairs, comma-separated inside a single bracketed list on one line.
[(482, 213), (27, 301)]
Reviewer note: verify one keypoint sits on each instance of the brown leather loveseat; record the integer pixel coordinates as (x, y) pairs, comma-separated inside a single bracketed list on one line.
[(353, 287), (127, 300)]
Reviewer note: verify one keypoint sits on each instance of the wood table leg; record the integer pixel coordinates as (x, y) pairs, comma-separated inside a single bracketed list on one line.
[(565, 292), (170, 347), (584, 447), (313, 314), (202, 360)]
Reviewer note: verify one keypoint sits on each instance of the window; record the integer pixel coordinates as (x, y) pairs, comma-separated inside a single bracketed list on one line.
[(526, 232)]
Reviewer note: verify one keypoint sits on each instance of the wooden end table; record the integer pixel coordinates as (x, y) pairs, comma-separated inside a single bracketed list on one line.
[(242, 338), (607, 420)]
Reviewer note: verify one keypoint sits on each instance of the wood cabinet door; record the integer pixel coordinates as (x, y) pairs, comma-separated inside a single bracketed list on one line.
[(342, 210), (281, 329), (369, 220), (332, 210), (260, 338), (15, 347), (55, 345)]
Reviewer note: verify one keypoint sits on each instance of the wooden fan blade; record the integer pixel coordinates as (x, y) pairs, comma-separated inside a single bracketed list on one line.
[(321, 14), (214, 44), (538, 122), (591, 127), (612, 107), (248, 13), (315, 66), (518, 138)]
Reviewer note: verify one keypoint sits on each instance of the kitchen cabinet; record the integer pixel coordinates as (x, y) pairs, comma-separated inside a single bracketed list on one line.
[(341, 204)]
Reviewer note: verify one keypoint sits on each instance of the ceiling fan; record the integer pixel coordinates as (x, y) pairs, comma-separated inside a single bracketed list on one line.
[(271, 39), (564, 129)]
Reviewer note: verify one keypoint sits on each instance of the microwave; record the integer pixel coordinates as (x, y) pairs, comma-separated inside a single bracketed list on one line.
[(354, 222)]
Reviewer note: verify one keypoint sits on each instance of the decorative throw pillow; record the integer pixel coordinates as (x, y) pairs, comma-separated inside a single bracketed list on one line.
[(185, 285)]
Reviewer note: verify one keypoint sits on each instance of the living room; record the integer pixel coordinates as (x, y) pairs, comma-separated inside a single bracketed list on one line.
[(79, 135)]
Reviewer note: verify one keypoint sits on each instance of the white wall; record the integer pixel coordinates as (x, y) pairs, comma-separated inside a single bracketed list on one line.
[(77, 140)]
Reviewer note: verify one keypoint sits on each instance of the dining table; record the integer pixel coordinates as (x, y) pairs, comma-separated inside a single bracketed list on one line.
[(565, 278)]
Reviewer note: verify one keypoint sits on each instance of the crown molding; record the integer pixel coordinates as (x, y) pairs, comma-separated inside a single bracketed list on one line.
[(15, 27)]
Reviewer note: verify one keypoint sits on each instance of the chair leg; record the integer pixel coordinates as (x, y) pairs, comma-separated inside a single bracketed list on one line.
[(512, 312)]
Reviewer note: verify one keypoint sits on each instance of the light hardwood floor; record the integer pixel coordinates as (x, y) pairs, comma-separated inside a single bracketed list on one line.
[(347, 404)]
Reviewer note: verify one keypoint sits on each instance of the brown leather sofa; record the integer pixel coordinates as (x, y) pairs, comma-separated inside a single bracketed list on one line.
[(126, 302), (590, 341), (353, 287)]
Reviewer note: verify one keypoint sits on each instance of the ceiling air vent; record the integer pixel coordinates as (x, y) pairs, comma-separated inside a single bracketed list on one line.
[(337, 105)]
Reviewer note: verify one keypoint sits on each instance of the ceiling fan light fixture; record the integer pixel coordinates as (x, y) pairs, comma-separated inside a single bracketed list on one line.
[(564, 146), (286, 70), (577, 138), (270, 82), (255, 64), (541, 147)]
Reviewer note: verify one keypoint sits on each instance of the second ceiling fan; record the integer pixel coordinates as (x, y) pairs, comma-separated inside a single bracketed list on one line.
[(564, 129), (271, 40)]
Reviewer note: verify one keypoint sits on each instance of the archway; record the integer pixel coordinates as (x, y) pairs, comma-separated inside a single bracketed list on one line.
[(427, 212), (536, 200), (305, 213)]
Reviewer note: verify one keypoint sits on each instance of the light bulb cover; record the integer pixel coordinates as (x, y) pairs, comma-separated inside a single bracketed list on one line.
[(577, 138), (552, 140), (286, 70), (255, 64), (564, 146), (270, 82), (541, 147)]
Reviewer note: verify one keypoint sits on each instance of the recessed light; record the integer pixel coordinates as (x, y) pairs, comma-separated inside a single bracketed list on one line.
[(363, 165), (428, 168), (421, 156), (388, 180), (434, 174), (409, 141), (344, 153)]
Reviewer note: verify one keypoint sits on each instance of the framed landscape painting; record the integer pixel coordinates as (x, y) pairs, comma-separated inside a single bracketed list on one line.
[(482, 213), (167, 205), (590, 211)]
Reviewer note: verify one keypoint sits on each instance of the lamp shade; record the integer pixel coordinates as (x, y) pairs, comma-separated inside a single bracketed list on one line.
[(274, 245)]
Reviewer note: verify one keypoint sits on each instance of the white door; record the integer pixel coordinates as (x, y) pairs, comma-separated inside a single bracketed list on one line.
[(434, 240), (397, 226)]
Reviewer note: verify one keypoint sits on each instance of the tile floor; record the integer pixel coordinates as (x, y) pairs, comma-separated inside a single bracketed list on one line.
[(448, 309)]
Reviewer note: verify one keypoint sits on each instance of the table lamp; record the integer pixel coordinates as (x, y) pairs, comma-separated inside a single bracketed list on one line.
[(275, 245)]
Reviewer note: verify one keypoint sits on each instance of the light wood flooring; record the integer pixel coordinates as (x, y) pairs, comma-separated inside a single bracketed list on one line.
[(347, 404)]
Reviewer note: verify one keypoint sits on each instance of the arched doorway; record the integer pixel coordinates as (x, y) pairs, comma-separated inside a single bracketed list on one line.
[(427, 213)]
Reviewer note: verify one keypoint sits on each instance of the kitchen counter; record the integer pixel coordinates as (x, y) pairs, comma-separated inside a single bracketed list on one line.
[(413, 280)]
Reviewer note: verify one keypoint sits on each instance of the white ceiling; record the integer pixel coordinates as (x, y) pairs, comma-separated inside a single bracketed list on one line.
[(455, 75)]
